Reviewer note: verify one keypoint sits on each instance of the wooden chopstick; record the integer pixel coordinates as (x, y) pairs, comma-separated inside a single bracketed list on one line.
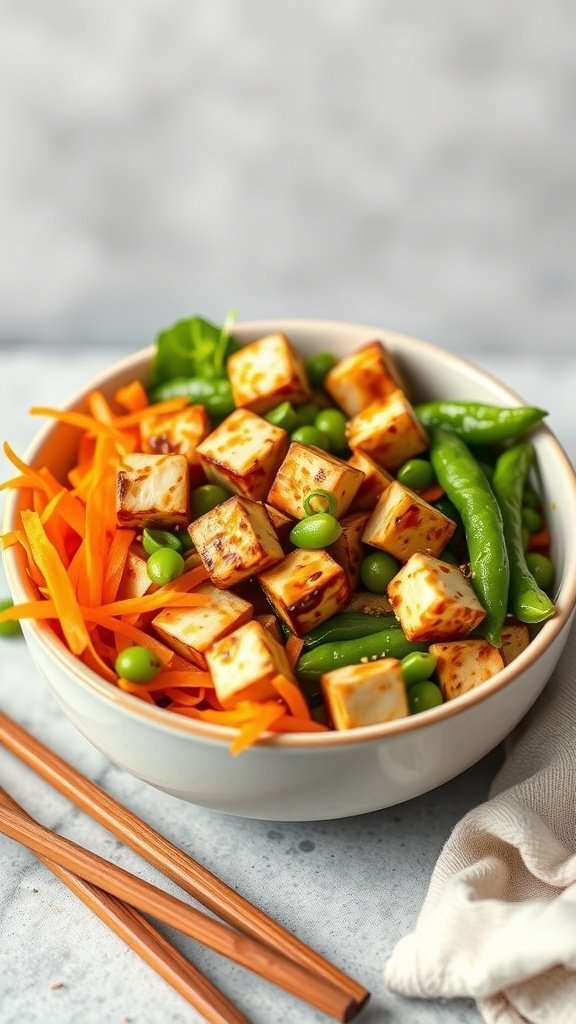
[(191, 876), (145, 940), (243, 949)]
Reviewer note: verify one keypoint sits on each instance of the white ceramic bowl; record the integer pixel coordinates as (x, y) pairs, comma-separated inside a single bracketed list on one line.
[(329, 775)]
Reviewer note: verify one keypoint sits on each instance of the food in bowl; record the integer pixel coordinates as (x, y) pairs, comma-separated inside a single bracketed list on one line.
[(287, 546)]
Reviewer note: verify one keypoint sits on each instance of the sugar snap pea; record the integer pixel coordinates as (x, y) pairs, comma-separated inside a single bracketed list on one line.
[(387, 643), (480, 424), (348, 626), (214, 393), (468, 489), (527, 601)]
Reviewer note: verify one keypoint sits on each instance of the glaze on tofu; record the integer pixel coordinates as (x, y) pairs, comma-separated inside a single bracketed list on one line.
[(306, 588), (365, 694), (366, 376), (191, 631), (307, 468), (462, 665), (266, 373), (403, 523), (244, 663), (152, 490), (243, 454), (135, 581), (376, 481), (433, 600), (348, 550), (178, 433), (388, 431), (515, 639), (235, 540)]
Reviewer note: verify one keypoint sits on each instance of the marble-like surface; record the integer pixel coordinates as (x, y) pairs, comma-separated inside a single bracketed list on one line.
[(400, 160), (351, 888)]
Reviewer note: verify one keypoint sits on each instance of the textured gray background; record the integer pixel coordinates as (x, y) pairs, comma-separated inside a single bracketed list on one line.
[(405, 162)]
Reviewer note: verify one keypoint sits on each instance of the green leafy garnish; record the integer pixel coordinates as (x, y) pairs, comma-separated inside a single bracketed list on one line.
[(192, 348)]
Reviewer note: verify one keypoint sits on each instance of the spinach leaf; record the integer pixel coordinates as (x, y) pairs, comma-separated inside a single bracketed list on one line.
[(192, 348)]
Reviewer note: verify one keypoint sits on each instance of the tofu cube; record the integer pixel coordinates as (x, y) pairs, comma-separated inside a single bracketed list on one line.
[(267, 372), (307, 468), (235, 540), (282, 524), (515, 639), (244, 663), (191, 631), (348, 550), (152, 490), (364, 377), (376, 481), (403, 523), (465, 664), (271, 625), (135, 581), (388, 431), (177, 434), (306, 588), (365, 694), (243, 454), (433, 600)]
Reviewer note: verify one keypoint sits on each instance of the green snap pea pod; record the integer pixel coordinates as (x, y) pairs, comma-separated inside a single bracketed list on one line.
[(215, 394), (348, 626), (527, 601), (477, 423), (388, 643), (468, 489)]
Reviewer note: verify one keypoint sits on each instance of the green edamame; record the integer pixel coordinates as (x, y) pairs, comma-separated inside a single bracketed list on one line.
[(332, 422), (476, 423), (541, 568), (531, 519), (153, 540), (348, 626), (306, 414), (215, 394), (318, 366), (468, 489), (207, 497), (388, 643), (376, 571), (416, 474), (311, 435), (164, 566), (284, 416), (423, 696), (138, 665), (418, 667), (315, 531), (527, 601)]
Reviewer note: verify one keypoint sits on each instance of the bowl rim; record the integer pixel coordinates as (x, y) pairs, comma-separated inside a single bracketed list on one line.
[(221, 735)]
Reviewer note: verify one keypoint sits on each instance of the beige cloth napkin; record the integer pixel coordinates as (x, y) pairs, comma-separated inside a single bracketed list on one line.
[(499, 920)]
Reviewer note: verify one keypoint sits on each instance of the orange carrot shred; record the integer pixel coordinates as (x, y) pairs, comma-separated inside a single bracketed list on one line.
[(132, 397), (180, 697), (289, 723), (539, 540), (152, 602), (432, 493), (294, 647), (117, 557), (163, 681), (253, 730), (98, 407), (80, 420), (292, 696), (133, 419), (29, 610)]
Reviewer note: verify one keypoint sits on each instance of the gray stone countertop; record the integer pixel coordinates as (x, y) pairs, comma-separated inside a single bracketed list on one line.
[(351, 888)]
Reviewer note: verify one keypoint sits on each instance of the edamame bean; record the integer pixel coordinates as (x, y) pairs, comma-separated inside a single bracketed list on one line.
[(311, 435), (418, 667), (207, 497), (306, 414), (423, 696), (416, 474), (316, 531), (164, 566), (376, 571), (531, 519), (284, 416), (317, 366), (541, 568), (153, 540), (332, 422), (138, 665)]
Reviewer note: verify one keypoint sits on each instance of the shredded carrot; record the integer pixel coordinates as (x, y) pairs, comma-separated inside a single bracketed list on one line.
[(253, 730), (29, 610), (116, 564), (292, 696), (162, 598), (8, 540), (132, 397), (539, 540), (289, 723), (294, 647), (181, 697), (98, 407), (166, 680), (431, 493), (188, 580), (133, 419), (79, 420)]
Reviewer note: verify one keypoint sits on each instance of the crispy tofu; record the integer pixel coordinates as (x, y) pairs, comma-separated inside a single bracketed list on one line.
[(376, 481), (191, 631), (178, 433), (267, 372), (135, 581), (365, 694), (306, 588), (433, 600), (515, 639), (403, 523), (348, 550), (235, 540), (388, 431), (364, 377), (370, 604), (307, 468), (465, 664), (244, 453), (282, 524), (152, 490), (243, 665)]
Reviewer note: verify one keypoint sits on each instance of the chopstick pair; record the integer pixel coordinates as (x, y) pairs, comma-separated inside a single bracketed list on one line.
[(269, 949)]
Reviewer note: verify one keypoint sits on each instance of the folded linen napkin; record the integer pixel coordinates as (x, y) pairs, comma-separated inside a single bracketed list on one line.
[(499, 920)]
